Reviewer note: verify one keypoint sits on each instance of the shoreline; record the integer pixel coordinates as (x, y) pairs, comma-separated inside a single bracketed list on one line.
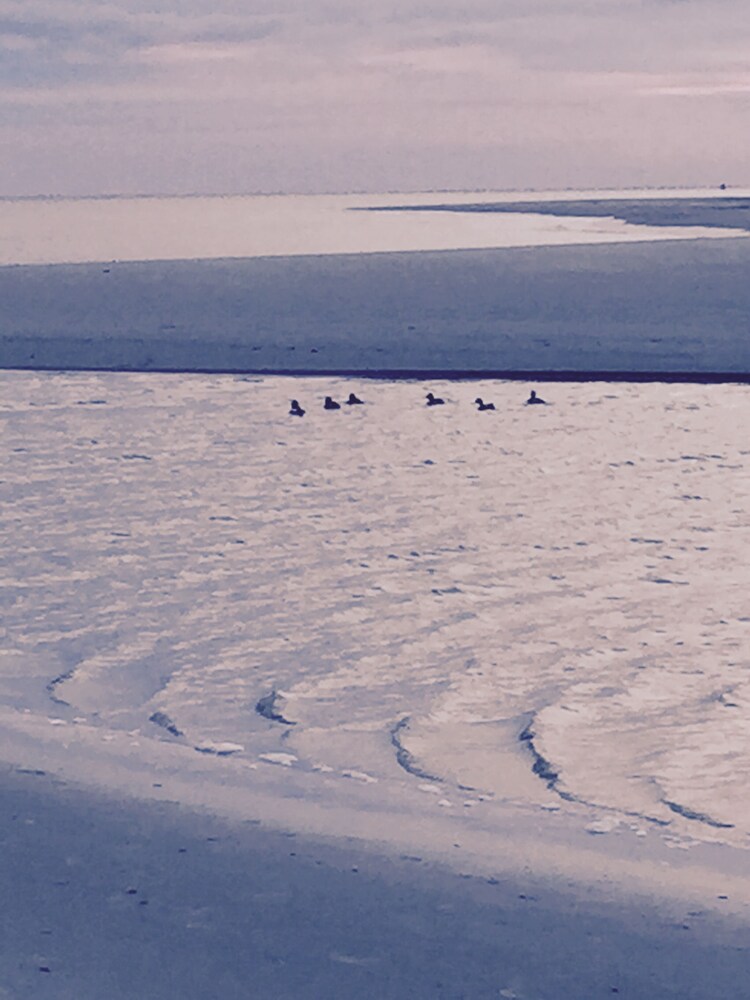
[(595, 855)]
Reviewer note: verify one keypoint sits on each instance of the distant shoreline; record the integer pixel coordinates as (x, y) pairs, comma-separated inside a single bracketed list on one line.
[(720, 211)]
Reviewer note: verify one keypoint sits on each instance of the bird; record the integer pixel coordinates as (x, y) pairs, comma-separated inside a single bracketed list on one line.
[(296, 410), (533, 398), (353, 400), (434, 400), (481, 405), (331, 404)]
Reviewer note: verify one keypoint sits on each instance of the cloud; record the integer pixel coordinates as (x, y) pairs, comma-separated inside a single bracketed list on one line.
[(433, 90), (58, 43)]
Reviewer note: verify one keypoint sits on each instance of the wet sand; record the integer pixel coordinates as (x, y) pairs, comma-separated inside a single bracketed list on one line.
[(126, 899)]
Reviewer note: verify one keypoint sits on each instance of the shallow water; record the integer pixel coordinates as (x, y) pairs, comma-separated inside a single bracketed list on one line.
[(536, 604), (74, 230)]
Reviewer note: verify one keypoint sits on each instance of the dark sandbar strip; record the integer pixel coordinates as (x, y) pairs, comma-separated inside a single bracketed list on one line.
[(439, 374), (720, 211)]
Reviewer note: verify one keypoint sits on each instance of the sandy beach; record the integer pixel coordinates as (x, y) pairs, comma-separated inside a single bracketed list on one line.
[(129, 900)]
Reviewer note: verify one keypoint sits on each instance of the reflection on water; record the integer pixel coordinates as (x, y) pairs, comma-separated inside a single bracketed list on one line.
[(530, 603)]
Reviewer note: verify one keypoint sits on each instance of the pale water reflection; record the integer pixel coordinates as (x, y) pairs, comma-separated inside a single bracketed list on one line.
[(540, 605)]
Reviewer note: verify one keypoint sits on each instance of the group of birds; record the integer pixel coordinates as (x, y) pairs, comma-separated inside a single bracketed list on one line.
[(432, 400)]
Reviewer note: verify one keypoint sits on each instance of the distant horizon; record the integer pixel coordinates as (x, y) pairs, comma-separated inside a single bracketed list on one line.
[(737, 190)]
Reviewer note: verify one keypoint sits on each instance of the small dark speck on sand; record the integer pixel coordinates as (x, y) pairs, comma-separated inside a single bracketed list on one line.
[(722, 897)]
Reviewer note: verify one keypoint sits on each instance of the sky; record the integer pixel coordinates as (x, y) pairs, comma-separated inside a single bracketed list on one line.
[(313, 96)]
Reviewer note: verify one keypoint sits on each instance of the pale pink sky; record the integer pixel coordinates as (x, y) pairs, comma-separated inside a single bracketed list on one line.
[(234, 96)]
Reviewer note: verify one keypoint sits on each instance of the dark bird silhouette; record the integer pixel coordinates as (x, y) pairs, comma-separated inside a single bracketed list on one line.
[(434, 400), (533, 398), (481, 405), (296, 410), (353, 400), (331, 404)]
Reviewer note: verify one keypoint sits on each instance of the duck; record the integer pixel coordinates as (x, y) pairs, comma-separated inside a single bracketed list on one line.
[(481, 405), (353, 400), (434, 400), (533, 398), (296, 410), (331, 404)]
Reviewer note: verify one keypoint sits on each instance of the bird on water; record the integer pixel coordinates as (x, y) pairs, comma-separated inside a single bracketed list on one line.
[(533, 398)]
